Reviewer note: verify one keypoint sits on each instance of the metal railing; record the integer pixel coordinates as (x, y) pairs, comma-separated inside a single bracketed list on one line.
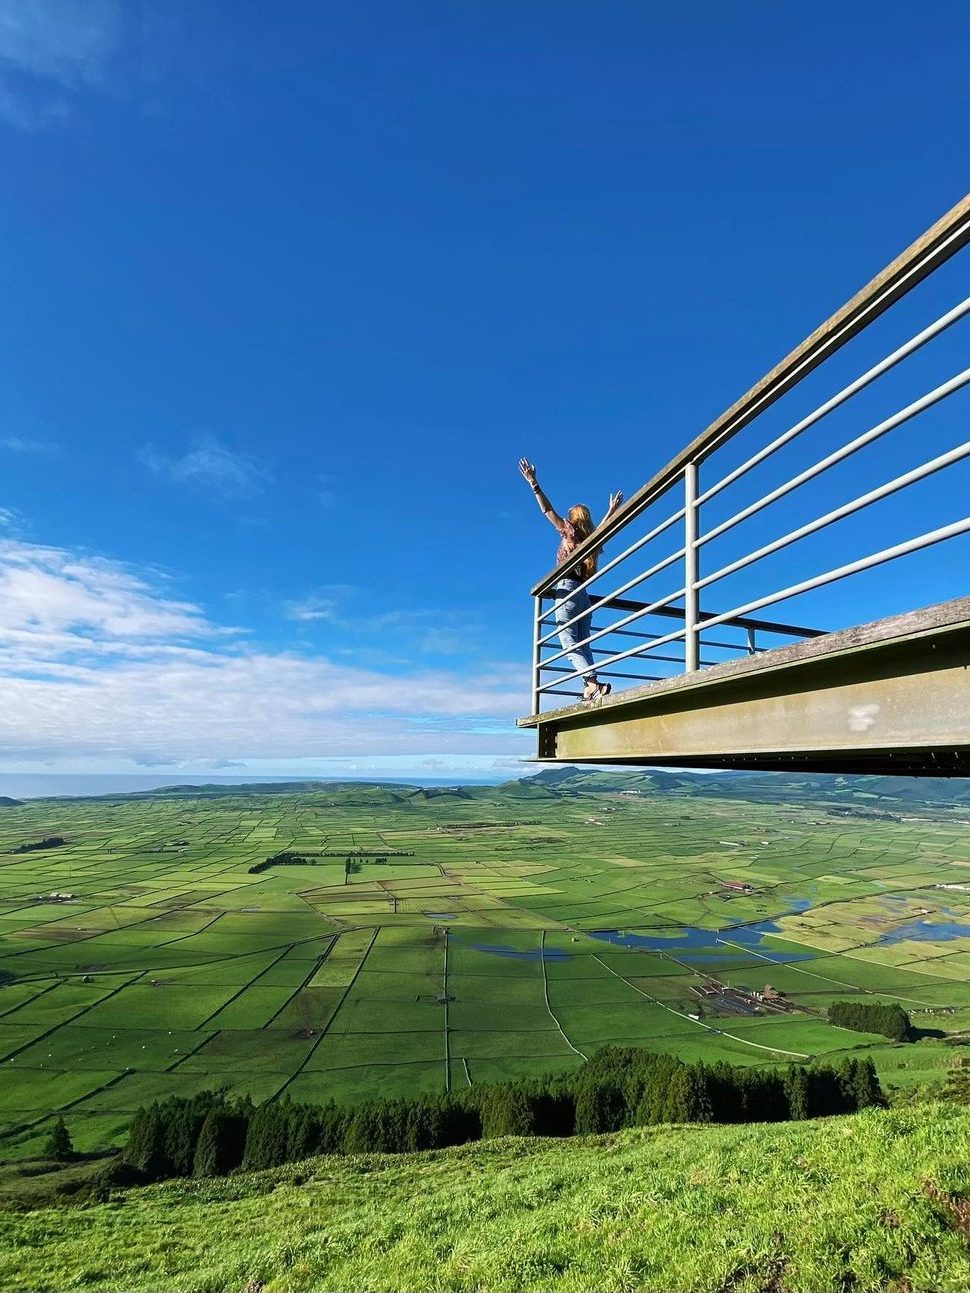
[(677, 494)]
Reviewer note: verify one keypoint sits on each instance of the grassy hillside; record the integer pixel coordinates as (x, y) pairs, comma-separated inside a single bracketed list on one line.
[(874, 1201)]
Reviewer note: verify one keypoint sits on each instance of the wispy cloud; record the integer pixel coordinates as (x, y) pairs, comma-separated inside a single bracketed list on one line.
[(49, 50), (21, 444), (443, 641), (98, 660), (60, 608), (314, 607), (10, 519), (211, 466), (426, 630)]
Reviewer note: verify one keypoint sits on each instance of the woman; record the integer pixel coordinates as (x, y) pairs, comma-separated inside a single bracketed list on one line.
[(571, 600)]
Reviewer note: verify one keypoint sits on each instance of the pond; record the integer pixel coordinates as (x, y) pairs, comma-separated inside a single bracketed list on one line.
[(531, 954), (692, 938), (927, 931)]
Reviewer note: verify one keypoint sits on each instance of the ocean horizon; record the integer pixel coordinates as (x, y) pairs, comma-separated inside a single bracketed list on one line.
[(81, 785)]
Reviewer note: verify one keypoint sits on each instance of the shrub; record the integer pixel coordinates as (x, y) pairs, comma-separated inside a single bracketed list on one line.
[(58, 1144)]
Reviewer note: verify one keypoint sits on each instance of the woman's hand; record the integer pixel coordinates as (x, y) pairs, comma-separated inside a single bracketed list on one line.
[(528, 470), (615, 501)]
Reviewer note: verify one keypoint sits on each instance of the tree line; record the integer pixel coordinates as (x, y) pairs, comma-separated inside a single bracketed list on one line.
[(890, 1021), (352, 862), (211, 1134), (49, 842)]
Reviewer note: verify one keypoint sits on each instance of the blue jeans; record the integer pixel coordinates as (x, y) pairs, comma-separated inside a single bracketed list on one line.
[(571, 603)]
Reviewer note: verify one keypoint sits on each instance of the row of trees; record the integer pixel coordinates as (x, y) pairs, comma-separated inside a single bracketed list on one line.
[(49, 842), (278, 859), (210, 1134), (890, 1021)]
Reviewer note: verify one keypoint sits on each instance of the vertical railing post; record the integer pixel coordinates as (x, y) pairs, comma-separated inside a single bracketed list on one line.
[(752, 644), (691, 607), (536, 652)]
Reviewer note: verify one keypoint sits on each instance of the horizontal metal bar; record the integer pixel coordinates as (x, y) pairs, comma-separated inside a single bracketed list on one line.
[(629, 633), (615, 561), (785, 630), (945, 321), (631, 583), (602, 535), (609, 673), (623, 633), (557, 691), (742, 622), (624, 655), (673, 659), (930, 250), (670, 659), (867, 437), (847, 509), (619, 624), (926, 540), (651, 637)]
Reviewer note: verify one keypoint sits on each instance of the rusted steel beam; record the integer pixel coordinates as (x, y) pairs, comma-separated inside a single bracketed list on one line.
[(892, 696)]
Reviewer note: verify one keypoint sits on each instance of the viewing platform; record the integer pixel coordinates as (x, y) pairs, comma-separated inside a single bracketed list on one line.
[(887, 698), (883, 692)]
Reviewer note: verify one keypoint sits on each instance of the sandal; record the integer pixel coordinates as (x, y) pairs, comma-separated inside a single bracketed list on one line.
[(594, 691)]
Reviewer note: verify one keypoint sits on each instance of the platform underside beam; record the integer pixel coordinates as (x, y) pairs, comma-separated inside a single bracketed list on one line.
[(891, 697)]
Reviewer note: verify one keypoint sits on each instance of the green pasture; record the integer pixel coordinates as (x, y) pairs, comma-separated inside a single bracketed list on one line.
[(172, 967), (869, 1203)]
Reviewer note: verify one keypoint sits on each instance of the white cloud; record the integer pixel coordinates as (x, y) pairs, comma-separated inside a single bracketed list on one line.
[(18, 444), (56, 605), (314, 607), (49, 50), (212, 466), (430, 631), (98, 662), (68, 41), (443, 641)]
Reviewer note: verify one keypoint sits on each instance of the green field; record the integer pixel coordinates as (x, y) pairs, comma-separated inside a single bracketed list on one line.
[(875, 1203), (480, 956)]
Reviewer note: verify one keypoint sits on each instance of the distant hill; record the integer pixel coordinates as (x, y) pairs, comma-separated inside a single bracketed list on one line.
[(896, 794), (6, 802), (340, 789), (876, 795)]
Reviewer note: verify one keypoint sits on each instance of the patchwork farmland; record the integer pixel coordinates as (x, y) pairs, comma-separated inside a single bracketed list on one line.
[(432, 940)]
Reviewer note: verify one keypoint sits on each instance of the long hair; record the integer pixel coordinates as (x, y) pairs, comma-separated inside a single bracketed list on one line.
[(581, 527)]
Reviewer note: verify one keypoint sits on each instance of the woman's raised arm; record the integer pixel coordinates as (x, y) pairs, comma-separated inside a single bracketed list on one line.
[(615, 501), (528, 470)]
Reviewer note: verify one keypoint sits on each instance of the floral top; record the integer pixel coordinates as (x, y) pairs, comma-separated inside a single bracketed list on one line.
[(567, 544)]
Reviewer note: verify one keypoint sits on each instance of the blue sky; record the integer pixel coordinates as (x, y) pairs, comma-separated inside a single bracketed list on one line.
[(288, 289)]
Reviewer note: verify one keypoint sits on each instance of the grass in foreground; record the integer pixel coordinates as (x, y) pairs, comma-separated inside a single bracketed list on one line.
[(875, 1201)]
